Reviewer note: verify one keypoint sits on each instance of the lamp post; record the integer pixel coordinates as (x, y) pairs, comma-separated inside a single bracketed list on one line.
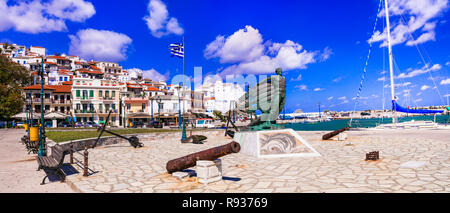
[(158, 100), (179, 108), (42, 148), (151, 101)]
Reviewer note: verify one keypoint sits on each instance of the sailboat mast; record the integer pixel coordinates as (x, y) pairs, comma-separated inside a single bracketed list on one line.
[(391, 69)]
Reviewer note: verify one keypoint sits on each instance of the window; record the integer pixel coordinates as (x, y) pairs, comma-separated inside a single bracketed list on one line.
[(113, 106), (128, 106), (47, 95), (106, 93), (61, 109), (85, 93), (60, 78), (78, 106), (56, 109), (107, 107), (55, 97), (143, 106), (113, 94), (113, 119), (47, 107), (91, 93), (100, 93), (100, 107), (68, 97), (78, 93), (65, 78)]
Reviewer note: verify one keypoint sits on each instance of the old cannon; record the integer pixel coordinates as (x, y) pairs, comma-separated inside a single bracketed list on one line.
[(187, 161), (334, 133), (133, 140)]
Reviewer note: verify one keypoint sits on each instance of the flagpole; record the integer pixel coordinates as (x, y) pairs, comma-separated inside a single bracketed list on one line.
[(184, 55)]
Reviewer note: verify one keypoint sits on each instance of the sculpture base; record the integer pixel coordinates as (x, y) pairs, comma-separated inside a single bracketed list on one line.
[(274, 144)]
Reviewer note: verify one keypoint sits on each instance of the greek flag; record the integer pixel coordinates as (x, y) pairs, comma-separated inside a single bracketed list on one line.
[(177, 50)]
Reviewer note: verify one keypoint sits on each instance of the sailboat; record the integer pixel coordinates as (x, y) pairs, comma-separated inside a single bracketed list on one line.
[(395, 106)]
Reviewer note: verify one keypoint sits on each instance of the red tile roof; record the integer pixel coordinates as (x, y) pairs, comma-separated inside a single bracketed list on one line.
[(94, 67), (55, 88), (152, 89), (57, 57), (62, 88)]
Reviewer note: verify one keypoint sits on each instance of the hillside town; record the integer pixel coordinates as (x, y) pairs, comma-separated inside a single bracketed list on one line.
[(86, 91)]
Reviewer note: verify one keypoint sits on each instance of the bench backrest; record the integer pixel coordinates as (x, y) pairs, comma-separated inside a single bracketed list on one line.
[(58, 153)]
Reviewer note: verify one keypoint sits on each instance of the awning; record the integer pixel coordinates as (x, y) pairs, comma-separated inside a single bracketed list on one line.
[(24, 116)]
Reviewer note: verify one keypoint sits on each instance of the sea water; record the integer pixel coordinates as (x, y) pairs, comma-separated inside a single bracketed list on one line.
[(361, 123)]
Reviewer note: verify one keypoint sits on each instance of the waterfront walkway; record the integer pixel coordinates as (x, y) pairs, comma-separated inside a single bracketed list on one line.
[(411, 161), (18, 169)]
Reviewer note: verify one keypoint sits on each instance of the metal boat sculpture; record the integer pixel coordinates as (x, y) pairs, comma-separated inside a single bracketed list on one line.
[(269, 97)]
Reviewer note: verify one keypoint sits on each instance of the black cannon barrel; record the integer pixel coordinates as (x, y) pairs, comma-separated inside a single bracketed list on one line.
[(334, 133), (187, 161)]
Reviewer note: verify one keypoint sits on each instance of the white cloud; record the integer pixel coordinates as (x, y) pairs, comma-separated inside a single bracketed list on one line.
[(326, 54), (299, 78), (424, 87), (419, 93), (418, 100), (99, 45), (159, 22), (342, 98), (420, 71), (398, 85), (43, 16), (330, 98), (445, 82), (247, 52), (149, 74), (418, 14), (337, 79), (447, 64), (301, 87), (318, 89), (382, 79)]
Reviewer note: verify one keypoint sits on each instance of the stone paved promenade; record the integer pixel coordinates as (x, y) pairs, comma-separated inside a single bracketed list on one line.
[(18, 169), (411, 161)]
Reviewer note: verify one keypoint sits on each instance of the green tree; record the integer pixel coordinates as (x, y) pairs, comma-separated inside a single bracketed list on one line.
[(13, 77)]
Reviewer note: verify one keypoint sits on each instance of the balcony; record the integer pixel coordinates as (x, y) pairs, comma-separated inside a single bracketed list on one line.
[(62, 102), (85, 98), (46, 100), (106, 98), (84, 111)]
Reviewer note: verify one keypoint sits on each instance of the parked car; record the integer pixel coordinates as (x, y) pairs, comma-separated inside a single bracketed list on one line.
[(48, 124), (65, 124), (79, 124), (90, 124), (138, 124), (156, 124)]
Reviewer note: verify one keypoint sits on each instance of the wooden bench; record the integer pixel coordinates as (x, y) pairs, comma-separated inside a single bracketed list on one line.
[(53, 163), (32, 146)]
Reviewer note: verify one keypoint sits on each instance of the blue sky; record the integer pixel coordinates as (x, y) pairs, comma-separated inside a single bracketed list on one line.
[(321, 45)]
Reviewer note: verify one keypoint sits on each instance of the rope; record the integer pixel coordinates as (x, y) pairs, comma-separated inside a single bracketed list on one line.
[(423, 60), (365, 67)]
